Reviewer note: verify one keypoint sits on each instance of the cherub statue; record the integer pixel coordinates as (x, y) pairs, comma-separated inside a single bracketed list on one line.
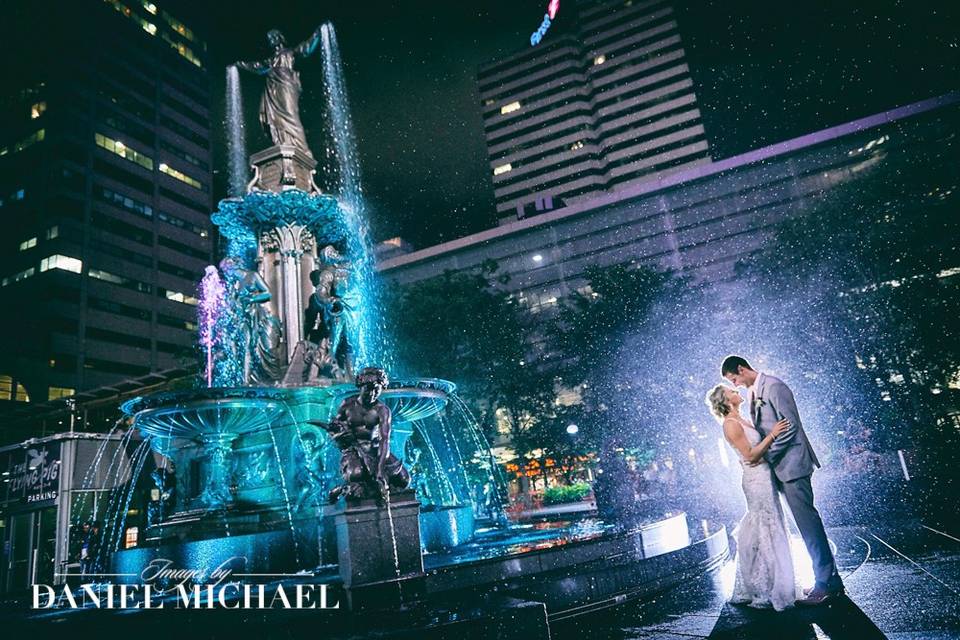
[(361, 430)]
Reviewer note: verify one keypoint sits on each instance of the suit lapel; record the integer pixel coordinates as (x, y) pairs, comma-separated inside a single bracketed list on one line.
[(757, 396)]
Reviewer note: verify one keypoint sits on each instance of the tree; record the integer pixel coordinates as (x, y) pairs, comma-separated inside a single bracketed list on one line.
[(459, 327)]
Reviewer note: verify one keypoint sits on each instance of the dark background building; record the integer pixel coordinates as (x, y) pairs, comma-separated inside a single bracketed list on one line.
[(105, 192), (609, 105)]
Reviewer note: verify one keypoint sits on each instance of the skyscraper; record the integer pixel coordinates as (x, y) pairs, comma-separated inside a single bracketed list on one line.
[(607, 104), (105, 194)]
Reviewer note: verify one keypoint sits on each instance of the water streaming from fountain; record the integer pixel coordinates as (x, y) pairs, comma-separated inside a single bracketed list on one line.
[(236, 135), (369, 337)]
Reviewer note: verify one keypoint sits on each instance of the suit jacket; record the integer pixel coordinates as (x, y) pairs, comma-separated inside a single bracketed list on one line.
[(790, 455)]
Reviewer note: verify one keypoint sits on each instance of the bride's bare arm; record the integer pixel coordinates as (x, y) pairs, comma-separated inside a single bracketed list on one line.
[(733, 432)]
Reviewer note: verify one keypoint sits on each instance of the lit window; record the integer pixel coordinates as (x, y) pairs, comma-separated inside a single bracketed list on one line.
[(122, 150), (149, 27), (509, 108), (55, 393), (178, 26), (28, 244), (37, 109), (131, 537), (181, 176), (177, 296), (17, 277), (53, 232), (599, 60), (182, 49), (19, 194), (106, 276), (149, 6), (11, 391), (66, 263), (502, 169)]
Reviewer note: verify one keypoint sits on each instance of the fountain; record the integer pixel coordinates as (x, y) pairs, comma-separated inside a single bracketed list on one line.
[(243, 466)]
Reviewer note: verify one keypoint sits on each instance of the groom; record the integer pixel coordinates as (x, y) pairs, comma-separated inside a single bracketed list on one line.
[(793, 462)]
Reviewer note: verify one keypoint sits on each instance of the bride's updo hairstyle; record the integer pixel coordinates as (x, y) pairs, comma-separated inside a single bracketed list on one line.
[(717, 401)]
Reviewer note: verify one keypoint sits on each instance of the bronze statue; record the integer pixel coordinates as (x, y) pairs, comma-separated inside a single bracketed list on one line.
[(280, 103), (333, 310), (361, 430), (262, 338)]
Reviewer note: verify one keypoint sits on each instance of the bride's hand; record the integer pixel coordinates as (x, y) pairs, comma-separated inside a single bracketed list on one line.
[(780, 427)]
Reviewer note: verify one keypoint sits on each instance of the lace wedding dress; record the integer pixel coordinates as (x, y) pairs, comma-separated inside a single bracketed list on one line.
[(764, 573)]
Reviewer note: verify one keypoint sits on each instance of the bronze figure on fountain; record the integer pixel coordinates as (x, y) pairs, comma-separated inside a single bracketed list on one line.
[(280, 103), (361, 430)]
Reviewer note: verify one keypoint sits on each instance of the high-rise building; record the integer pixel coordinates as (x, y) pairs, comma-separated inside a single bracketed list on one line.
[(105, 194), (607, 104)]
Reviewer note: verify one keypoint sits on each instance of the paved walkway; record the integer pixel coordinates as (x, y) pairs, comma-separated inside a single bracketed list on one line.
[(903, 583)]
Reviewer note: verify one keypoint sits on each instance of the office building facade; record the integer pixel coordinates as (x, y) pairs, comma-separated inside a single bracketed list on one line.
[(701, 221), (105, 191), (608, 104)]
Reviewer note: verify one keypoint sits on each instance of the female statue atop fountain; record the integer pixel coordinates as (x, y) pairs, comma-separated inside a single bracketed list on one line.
[(261, 332), (361, 431), (280, 104)]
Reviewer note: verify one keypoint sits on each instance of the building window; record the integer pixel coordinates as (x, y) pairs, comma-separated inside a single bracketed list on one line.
[(122, 150), (509, 108), (177, 296), (65, 263), (124, 202), (37, 109), (149, 6), (149, 27), (599, 60), (502, 169), (183, 50), (182, 177), (17, 277), (28, 244), (53, 232), (129, 283), (12, 391), (179, 27), (131, 537), (55, 393)]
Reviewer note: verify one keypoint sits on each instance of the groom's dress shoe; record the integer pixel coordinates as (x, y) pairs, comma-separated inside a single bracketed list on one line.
[(817, 596)]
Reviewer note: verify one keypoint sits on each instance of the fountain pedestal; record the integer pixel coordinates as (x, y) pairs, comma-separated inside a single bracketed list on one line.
[(282, 167), (381, 565)]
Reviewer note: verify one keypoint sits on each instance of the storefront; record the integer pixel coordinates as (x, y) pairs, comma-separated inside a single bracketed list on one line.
[(46, 491)]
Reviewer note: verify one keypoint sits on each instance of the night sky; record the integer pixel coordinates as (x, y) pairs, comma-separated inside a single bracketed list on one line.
[(764, 72)]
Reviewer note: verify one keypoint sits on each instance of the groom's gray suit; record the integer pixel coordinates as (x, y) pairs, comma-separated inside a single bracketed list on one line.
[(793, 462)]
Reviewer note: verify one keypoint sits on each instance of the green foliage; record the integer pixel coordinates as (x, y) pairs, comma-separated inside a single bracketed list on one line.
[(459, 327), (566, 493)]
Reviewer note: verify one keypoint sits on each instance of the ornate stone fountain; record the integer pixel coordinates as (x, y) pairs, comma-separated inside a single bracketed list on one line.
[(286, 326)]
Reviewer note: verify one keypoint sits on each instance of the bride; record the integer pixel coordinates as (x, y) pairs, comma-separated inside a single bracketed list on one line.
[(764, 567)]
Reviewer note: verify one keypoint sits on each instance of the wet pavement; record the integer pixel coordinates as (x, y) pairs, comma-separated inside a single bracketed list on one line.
[(903, 583)]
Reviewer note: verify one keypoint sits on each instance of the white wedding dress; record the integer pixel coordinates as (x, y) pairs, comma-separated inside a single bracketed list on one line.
[(764, 566)]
